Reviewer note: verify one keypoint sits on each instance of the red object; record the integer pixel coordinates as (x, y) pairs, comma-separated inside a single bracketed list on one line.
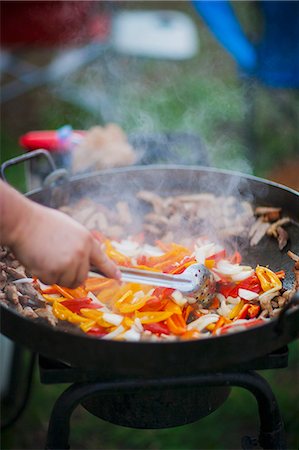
[(47, 139), (48, 23), (76, 305), (156, 328)]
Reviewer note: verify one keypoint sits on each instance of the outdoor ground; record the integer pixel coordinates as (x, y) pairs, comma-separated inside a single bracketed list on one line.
[(205, 96)]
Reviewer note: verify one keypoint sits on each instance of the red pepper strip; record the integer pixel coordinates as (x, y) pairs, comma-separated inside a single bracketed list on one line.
[(215, 303), (281, 274), (97, 331), (236, 258), (248, 324), (187, 261), (228, 289), (251, 283), (156, 328), (162, 292), (76, 304), (49, 290), (217, 256), (243, 313), (253, 311), (153, 304)]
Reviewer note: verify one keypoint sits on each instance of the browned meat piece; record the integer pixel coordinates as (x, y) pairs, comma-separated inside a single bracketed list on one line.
[(12, 293), (3, 278), (268, 213), (257, 231), (28, 312), (272, 230), (152, 229), (155, 200), (155, 219), (27, 290), (282, 238), (124, 213), (46, 313), (295, 258), (15, 274)]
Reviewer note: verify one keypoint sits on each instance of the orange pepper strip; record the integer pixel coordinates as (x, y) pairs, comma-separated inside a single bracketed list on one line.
[(280, 274), (218, 324), (176, 324), (186, 311), (190, 334), (153, 316), (63, 291), (253, 311), (96, 283)]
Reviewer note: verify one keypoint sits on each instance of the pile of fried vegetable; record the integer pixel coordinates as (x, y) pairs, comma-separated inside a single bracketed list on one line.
[(107, 309)]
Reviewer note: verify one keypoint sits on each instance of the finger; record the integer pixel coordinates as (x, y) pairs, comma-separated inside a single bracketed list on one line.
[(82, 272), (102, 262), (67, 278)]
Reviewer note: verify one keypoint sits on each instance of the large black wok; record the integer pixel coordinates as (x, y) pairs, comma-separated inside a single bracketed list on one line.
[(147, 359)]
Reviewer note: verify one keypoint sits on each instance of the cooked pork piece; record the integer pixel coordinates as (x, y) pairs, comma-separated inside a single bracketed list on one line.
[(257, 231), (268, 213), (282, 237), (3, 278), (12, 293), (46, 313), (28, 312)]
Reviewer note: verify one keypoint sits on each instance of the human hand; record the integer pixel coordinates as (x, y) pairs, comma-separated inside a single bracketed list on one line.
[(56, 249)]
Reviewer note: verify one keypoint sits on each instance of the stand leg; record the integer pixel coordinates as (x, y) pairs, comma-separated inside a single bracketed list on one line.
[(271, 435)]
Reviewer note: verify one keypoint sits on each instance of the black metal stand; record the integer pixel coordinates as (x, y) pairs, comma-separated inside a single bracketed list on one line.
[(271, 433)]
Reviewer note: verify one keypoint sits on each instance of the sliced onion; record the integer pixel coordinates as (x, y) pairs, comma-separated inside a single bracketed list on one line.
[(224, 267), (178, 298), (114, 333), (242, 275), (131, 335), (23, 280), (114, 319), (247, 294), (201, 323)]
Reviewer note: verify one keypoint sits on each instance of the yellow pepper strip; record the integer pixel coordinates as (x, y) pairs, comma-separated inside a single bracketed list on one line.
[(63, 313), (210, 263), (87, 325), (172, 307), (211, 326), (126, 303), (118, 257), (153, 316), (95, 315), (127, 322), (51, 298), (236, 309), (268, 279)]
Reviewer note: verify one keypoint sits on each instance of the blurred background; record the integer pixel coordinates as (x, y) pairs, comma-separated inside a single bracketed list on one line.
[(218, 80)]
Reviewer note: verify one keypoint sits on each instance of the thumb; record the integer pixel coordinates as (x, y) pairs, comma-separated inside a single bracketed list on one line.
[(99, 259)]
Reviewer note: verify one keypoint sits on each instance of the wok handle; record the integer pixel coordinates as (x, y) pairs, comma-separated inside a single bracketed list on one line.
[(282, 316), (26, 157)]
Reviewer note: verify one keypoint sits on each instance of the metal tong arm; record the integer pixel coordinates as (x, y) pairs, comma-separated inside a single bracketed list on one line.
[(129, 274)]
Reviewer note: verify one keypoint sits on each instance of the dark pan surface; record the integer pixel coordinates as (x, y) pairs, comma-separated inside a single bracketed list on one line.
[(153, 359)]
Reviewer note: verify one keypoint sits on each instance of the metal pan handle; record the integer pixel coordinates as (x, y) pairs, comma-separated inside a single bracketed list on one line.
[(282, 316), (26, 157)]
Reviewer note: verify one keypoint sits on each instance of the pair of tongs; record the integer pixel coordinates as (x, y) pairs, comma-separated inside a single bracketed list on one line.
[(196, 281)]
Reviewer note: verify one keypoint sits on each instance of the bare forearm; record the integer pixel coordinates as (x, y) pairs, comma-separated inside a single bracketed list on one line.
[(14, 209)]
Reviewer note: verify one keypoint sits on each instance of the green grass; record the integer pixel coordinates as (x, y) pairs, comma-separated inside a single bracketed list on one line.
[(223, 429)]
